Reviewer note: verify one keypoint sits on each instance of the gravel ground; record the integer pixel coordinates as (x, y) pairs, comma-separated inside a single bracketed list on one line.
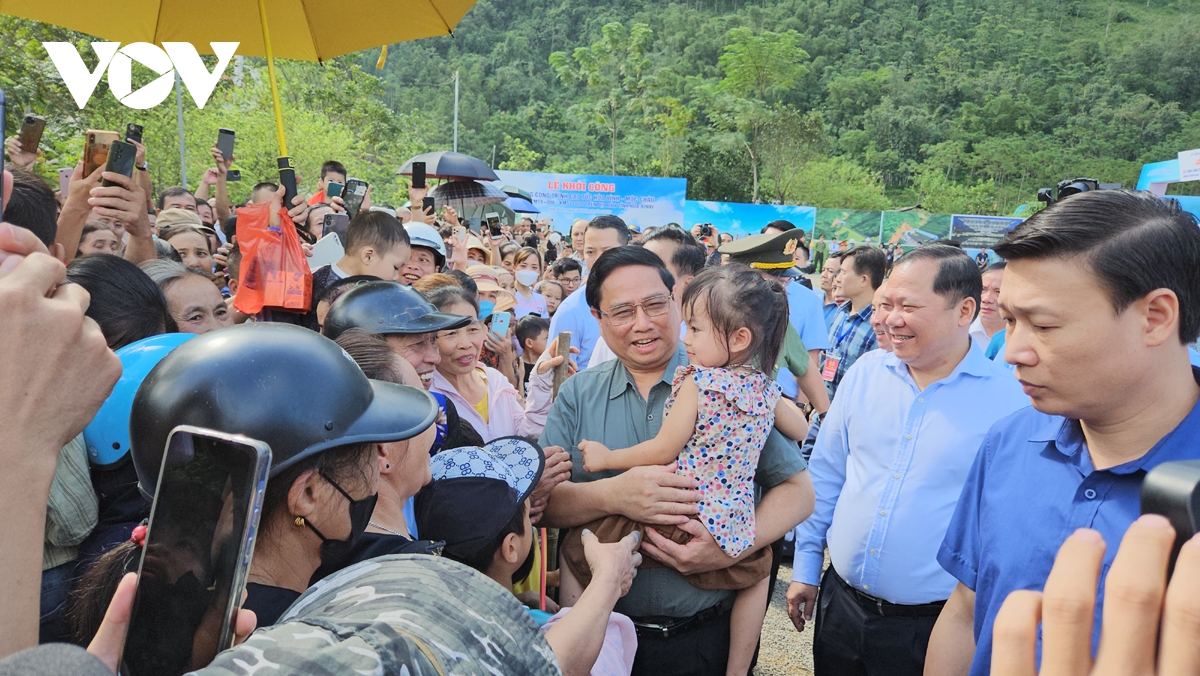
[(783, 651)]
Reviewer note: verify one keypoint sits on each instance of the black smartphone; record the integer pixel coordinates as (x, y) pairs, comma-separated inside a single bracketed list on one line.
[(353, 196), (30, 135), (233, 175), (225, 139), (121, 156), (287, 179), (333, 189), (1173, 490), (418, 175), (197, 551), (336, 223), (427, 203), (133, 132)]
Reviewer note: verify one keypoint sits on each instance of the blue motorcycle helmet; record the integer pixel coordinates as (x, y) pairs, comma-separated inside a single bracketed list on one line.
[(107, 436)]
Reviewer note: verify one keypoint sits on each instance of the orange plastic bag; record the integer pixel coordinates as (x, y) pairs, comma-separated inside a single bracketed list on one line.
[(274, 270)]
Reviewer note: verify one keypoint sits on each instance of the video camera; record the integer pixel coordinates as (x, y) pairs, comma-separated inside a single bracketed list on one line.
[(1072, 186)]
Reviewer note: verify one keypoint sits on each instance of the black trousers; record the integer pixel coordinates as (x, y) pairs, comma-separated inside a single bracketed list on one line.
[(849, 641), (702, 651)]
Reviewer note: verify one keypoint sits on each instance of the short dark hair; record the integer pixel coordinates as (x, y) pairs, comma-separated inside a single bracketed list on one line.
[(174, 191), (32, 206), (530, 327), (610, 222), (780, 225), (736, 296), (465, 281), (622, 257), (264, 185), (994, 267), (482, 560), (126, 303), (445, 296), (689, 257), (868, 260), (564, 265), (947, 242), (375, 229), (333, 166), (1134, 242), (957, 277)]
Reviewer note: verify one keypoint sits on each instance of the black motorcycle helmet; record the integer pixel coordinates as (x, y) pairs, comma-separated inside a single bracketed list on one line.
[(284, 385), (387, 308)]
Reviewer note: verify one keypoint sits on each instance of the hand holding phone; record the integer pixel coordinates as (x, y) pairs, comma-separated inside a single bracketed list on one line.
[(493, 222), (30, 135), (500, 323), (133, 132), (225, 139), (333, 189), (197, 547), (427, 205), (418, 174), (120, 160), (354, 195), (95, 149)]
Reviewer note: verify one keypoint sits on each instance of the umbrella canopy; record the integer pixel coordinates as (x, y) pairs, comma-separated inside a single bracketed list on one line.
[(466, 194), (451, 165), (305, 30), (308, 31), (521, 205), (514, 191)]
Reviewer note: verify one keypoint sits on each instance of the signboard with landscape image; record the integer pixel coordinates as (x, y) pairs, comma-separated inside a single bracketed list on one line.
[(980, 232), (845, 225), (740, 219), (639, 201), (912, 228)]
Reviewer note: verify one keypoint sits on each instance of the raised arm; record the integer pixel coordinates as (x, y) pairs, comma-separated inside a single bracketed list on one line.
[(813, 387), (663, 449)]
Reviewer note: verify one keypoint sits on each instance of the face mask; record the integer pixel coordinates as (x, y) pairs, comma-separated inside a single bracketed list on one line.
[(485, 309), (527, 277), (335, 552)]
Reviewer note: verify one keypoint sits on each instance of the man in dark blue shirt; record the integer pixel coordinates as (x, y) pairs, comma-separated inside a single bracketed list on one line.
[(1102, 299)]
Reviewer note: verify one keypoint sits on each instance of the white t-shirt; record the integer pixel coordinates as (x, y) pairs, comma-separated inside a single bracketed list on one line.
[(527, 306)]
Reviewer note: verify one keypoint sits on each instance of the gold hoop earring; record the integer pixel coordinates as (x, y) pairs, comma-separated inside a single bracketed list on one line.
[(299, 522)]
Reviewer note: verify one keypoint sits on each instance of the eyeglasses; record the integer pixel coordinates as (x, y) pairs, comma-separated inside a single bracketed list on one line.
[(653, 306)]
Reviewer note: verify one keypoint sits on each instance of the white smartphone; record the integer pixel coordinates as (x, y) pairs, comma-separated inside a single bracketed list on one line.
[(327, 251)]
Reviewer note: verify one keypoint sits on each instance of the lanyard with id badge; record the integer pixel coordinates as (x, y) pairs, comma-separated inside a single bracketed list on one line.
[(834, 357)]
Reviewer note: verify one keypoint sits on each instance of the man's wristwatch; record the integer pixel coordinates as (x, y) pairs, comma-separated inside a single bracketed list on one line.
[(144, 166)]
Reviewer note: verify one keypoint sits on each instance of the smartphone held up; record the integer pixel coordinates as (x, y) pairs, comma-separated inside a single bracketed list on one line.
[(196, 551)]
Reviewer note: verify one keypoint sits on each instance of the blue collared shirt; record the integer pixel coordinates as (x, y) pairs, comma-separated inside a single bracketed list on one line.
[(1032, 485), (851, 336), (804, 310), (574, 315), (888, 467)]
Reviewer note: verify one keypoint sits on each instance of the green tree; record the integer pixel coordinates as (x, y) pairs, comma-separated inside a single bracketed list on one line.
[(789, 142), (518, 156), (759, 67), (615, 71)]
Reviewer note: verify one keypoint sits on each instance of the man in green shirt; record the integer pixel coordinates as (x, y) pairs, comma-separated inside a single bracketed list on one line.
[(681, 629)]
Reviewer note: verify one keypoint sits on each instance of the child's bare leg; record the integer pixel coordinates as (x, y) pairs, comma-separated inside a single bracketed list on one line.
[(569, 589), (745, 624)]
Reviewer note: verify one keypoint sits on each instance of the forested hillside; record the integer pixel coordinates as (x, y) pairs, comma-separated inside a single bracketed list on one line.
[(960, 105)]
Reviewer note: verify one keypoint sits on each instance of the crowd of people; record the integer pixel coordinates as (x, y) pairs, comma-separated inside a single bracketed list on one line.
[(943, 445)]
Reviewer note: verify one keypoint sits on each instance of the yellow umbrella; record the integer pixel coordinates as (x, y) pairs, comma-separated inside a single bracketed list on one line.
[(307, 30)]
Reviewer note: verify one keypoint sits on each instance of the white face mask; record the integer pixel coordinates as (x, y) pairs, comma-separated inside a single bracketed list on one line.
[(527, 277)]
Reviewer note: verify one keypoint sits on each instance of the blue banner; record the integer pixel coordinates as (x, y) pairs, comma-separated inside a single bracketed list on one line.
[(640, 202), (741, 219), (981, 231)]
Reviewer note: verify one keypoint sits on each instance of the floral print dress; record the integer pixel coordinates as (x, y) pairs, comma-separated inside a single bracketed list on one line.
[(735, 412)]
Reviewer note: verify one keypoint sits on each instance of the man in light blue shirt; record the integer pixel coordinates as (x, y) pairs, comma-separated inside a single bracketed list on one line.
[(573, 314), (890, 462)]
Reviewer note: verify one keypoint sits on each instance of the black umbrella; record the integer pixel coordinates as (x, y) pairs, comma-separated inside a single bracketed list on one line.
[(467, 194), (451, 165)]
